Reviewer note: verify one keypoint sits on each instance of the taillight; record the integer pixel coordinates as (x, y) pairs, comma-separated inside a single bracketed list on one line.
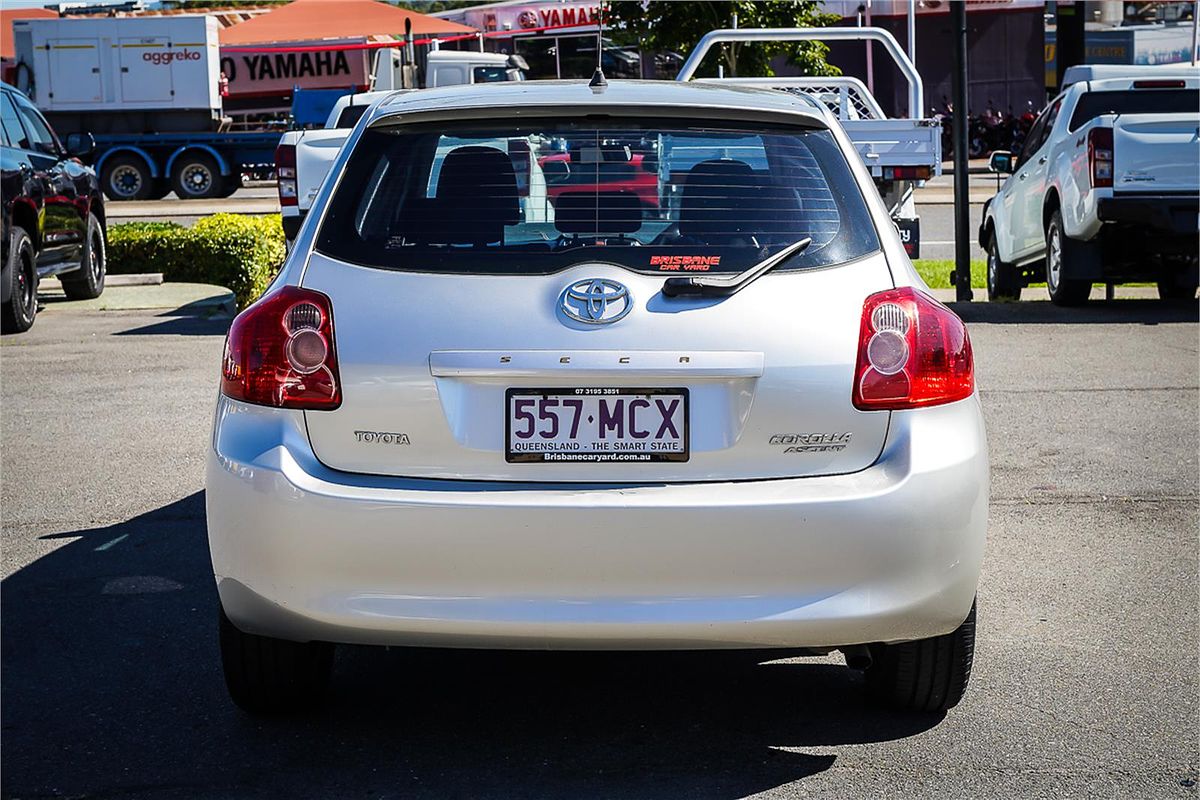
[(285, 173), (912, 352), (280, 352), (907, 173), (1100, 157)]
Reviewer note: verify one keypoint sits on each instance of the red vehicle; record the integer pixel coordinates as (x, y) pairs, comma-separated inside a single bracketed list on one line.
[(618, 171)]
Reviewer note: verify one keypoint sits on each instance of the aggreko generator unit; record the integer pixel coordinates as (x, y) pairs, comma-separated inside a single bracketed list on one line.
[(118, 71), (148, 89)]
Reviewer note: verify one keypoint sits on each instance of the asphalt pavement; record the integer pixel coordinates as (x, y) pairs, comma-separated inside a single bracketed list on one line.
[(1086, 666)]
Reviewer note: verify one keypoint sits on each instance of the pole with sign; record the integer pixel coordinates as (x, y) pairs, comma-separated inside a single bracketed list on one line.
[(962, 210)]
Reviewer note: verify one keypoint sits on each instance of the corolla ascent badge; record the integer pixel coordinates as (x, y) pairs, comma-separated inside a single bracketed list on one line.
[(595, 301)]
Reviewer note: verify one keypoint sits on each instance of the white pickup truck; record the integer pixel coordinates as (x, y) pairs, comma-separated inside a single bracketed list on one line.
[(1106, 190)]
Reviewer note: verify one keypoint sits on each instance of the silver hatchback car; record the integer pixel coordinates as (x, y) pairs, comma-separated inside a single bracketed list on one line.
[(633, 369)]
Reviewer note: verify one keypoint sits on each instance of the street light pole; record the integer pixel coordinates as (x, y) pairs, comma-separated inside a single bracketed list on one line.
[(962, 208)]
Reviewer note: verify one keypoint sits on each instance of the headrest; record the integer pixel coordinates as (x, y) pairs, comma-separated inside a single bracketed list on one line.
[(484, 178), (476, 197), (715, 194)]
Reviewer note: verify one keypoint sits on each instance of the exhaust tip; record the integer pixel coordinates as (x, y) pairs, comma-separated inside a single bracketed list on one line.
[(857, 656)]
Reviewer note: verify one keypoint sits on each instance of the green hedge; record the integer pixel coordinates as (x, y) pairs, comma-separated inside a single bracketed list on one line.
[(239, 252)]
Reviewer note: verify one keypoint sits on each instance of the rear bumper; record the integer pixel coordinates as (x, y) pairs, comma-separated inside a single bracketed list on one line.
[(1140, 237), (890, 553), (291, 220), (1171, 214)]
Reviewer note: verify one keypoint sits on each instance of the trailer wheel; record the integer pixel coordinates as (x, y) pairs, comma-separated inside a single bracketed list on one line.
[(196, 176), (126, 177)]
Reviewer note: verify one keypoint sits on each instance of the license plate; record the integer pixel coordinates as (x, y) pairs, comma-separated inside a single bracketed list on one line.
[(596, 424), (910, 236)]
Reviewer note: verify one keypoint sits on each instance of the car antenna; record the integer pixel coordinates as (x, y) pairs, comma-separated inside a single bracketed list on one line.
[(598, 82)]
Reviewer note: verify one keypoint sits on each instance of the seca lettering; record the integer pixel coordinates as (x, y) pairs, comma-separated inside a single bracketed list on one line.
[(171, 55)]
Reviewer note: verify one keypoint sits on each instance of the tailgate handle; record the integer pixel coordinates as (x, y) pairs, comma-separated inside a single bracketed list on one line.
[(595, 363)]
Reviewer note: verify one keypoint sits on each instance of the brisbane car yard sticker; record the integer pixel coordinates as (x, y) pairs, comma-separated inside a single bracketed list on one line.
[(692, 263)]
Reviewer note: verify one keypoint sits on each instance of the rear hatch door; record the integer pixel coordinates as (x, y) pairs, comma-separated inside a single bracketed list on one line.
[(426, 362)]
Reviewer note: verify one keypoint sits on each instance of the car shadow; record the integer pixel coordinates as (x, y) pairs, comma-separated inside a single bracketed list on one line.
[(111, 685), (182, 326), (1144, 312), (199, 318)]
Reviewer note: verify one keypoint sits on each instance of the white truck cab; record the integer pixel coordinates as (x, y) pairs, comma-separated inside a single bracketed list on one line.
[(449, 68), (454, 67)]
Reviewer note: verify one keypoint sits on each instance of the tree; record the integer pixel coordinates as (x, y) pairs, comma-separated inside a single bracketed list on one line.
[(677, 26)]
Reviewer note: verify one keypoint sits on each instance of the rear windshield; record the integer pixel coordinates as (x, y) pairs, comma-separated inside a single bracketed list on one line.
[(540, 196), (1135, 101)]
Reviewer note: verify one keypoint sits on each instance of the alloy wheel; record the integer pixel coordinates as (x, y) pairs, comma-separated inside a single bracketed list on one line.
[(25, 287), (96, 258), (197, 178), (1053, 257), (126, 181)]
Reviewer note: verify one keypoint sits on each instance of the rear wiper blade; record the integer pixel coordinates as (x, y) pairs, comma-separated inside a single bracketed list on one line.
[(723, 287)]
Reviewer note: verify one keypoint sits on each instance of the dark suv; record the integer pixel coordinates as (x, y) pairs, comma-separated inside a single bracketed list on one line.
[(53, 221)]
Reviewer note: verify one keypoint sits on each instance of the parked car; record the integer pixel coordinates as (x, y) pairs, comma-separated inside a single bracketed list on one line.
[(1105, 189), (744, 424), (53, 220)]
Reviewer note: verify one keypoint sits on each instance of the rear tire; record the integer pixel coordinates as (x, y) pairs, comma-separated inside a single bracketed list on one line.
[(1063, 291), (1170, 290), (126, 177), (87, 282), (196, 176), (19, 312), (265, 675), (1003, 284), (928, 675)]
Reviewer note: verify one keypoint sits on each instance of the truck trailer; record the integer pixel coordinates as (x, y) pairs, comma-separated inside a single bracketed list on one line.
[(148, 89)]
